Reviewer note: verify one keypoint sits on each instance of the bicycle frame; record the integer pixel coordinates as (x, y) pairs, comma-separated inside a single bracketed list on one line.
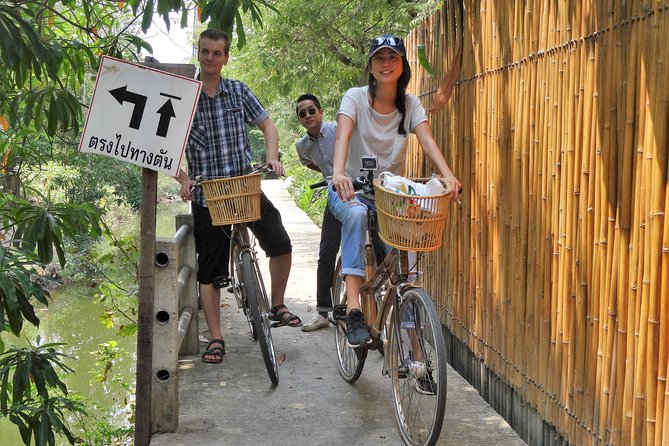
[(393, 273)]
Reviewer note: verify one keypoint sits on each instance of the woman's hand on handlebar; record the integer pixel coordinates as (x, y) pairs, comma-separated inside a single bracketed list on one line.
[(456, 187), (343, 185)]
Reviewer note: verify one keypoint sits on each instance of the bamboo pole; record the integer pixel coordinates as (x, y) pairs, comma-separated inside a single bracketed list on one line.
[(656, 137), (605, 391), (625, 312), (532, 322), (641, 307), (662, 406), (574, 112)]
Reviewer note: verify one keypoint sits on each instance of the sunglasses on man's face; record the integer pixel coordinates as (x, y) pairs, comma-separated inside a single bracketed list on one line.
[(303, 113)]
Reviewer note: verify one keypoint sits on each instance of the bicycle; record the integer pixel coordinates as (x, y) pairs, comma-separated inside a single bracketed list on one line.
[(236, 201), (399, 309)]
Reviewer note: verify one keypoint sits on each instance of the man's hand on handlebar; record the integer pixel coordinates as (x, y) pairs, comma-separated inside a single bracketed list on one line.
[(186, 192), (277, 167)]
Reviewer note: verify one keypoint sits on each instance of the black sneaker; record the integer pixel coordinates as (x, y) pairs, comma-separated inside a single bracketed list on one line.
[(426, 384), (356, 331)]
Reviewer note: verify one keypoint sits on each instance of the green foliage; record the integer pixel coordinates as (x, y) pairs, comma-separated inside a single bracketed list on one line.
[(17, 288), (227, 15), (47, 48), (121, 308), (105, 357), (22, 48), (41, 228), (33, 396), (103, 430)]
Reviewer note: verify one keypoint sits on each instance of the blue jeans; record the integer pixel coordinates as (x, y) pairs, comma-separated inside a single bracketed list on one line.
[(353, 216)]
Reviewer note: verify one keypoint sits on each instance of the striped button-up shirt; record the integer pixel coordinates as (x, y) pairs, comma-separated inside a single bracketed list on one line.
[(218, 145)]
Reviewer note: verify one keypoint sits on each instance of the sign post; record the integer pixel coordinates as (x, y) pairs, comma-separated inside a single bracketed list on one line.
[(142, 114)]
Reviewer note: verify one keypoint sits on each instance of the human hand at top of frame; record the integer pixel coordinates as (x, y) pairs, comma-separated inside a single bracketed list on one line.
[(343, 185)]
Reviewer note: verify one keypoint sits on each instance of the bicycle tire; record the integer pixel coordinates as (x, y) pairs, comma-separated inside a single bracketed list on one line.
[(237, 285), (259, 308), (351, 360), (419, 384)]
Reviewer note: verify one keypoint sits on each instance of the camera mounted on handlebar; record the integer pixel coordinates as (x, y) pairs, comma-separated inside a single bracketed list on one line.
[(370, 163)]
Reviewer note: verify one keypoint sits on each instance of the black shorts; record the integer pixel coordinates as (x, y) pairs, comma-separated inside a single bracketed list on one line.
[(212, 243)]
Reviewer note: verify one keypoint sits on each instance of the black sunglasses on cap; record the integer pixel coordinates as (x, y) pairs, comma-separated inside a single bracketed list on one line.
[(303, 113), (387, 41)]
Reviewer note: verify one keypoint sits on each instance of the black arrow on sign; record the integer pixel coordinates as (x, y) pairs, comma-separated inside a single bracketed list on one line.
[(166, 113), (122, 94)]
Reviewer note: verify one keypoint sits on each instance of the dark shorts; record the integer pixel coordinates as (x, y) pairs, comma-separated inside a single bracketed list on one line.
[(212, 243)]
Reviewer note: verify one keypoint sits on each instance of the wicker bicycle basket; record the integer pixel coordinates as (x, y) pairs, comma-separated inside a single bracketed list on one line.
[(411, 222), (233, 200)]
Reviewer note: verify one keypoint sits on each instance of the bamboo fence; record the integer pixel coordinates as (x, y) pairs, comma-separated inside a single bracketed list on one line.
[(555, 266)]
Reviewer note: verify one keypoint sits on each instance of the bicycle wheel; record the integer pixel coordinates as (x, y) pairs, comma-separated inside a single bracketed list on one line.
[(237, 287), (259, 309), (417, 367), (351, 360)]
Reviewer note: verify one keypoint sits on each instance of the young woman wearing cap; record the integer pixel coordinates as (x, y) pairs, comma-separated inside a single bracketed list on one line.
[(374, 120)]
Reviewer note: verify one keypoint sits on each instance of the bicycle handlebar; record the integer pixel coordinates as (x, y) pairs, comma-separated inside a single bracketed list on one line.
[(318, 185), (358, 183)]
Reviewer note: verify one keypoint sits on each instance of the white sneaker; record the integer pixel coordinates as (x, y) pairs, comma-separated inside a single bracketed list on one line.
[(316, 322)]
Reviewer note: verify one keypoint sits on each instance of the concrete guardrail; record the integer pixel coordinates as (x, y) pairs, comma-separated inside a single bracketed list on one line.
[(175, 326)]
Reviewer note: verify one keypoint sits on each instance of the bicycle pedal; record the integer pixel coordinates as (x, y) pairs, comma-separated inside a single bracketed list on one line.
[(221, 282), (339, 313)]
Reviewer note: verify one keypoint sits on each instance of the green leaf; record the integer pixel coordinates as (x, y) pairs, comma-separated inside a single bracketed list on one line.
[(128, 329), (148, 16), (422, 59), (107, 319), (241, 35), (11, 304), (52, 123), (164, 8)]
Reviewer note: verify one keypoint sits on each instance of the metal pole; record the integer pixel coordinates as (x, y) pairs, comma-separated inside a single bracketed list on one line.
[(145, 308)]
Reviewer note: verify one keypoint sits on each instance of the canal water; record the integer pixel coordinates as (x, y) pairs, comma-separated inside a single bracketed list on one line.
[(74, 318)]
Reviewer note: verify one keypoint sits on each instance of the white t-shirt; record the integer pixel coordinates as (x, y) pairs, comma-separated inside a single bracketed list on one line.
[(380, 132)]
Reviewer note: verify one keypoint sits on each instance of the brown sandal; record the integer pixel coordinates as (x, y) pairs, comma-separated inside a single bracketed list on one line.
[(217, 351), (285, 317)]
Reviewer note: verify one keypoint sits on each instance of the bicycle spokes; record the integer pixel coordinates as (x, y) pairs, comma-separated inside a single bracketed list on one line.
[(418, 369)]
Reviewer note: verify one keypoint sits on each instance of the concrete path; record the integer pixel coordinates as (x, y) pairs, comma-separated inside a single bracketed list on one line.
[(234, 403)]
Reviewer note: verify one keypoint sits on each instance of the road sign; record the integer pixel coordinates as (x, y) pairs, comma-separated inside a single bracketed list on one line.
[(140, 115)]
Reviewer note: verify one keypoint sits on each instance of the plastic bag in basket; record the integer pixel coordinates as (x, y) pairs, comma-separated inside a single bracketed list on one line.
[(405, 186), (401, 185)]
